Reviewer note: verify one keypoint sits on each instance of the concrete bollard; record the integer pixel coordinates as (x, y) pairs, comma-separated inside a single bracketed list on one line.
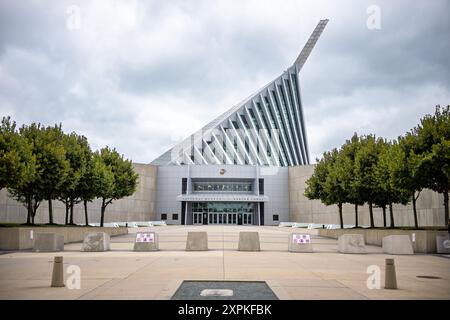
[(146, 241), (351, 243), (390, 280), (197, 241), (58, 272), (248, 241), (299, 243)]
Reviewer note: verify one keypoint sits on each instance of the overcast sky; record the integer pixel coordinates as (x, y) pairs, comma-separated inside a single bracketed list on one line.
[(142, 75)]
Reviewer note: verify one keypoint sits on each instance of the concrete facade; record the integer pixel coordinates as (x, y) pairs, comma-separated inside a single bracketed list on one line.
[(138, 207), (169, 188), (430, 207), (160, 192)]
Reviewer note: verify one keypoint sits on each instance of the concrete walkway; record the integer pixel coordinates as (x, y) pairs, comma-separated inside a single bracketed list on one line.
[(124, 274)]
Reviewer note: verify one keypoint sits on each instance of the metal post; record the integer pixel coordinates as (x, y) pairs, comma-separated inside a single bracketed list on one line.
[(58, 272), (390, 276)]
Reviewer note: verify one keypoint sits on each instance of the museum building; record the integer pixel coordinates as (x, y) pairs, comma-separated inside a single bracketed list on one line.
[(234, 169), (249, 166)]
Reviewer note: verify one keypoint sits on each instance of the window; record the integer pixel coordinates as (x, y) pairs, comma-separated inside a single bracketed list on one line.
[(163, 216), (276, 217), (238, 187), (261, 186), (183, 185), (174, 216)]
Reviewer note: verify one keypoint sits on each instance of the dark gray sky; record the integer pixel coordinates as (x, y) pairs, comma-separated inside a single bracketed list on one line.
[(141, 75)]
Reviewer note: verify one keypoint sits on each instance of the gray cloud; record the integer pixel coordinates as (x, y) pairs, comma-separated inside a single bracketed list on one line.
[(142, 75)]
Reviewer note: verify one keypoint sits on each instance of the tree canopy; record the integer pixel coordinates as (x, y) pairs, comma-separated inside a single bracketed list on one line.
[(40, 163), (371, 170)]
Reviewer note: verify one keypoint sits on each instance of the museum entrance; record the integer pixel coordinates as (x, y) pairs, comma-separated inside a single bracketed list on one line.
[(238, 213)]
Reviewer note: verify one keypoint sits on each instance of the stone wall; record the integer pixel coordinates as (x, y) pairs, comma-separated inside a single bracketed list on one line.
[(138, 207), (23, 237), (430, 207), (423, 241)]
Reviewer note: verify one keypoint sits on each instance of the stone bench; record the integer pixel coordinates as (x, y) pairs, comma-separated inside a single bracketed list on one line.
[(96, 242), (397, 244), (443, 244), (351, 243), (48, 242), (248, 241), (146, 241), (197, 241), (299, 243)]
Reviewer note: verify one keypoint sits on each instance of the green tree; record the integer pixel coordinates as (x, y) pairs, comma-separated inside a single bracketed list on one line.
[(97, 181), (406, 173), (329, 181), (315, 184), (338, 182), (387, 190), (125, 179), (30, 191), (51, 155), (433, 145), (78, 153), (354, 192), (16, 160), (366, 159)]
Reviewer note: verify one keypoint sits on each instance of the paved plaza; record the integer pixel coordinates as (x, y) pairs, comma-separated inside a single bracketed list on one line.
[(124, 274)]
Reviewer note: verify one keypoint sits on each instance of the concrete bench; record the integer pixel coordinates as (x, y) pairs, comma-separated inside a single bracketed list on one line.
[(96, 242), (48, 242), (146, 241), (397, 244), (197, 241), (299, 243), (351, 243), (248, 241)]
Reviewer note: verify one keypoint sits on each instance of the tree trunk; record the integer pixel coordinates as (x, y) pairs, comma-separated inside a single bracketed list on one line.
[(67, 212), (446, 207), (35, 207), (71, 211), (384, 215), (356, 215), (391, 213), (28, 211), (33, 212), (416, 223), (340, 215), (50, 211), (85, 213), (102, 216), (372, 224)]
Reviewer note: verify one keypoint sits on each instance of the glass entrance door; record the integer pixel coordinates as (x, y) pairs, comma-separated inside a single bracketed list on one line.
[(197, 218), (222, 213), (247, 219)]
